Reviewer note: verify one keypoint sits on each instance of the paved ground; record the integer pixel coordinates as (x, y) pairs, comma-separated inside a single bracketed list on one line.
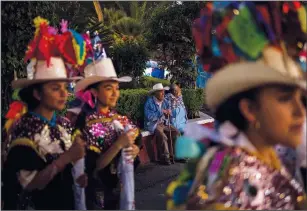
[(151, 182)]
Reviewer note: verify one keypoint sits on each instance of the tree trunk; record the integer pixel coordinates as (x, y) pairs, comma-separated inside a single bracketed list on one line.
[(98, 10)]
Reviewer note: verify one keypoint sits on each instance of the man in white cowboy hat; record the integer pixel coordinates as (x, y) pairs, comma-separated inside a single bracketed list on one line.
[(156, 110)]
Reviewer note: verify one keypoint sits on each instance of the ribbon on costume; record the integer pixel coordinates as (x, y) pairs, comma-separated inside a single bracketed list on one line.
[(16, 110), (86, 97), (125, 173)]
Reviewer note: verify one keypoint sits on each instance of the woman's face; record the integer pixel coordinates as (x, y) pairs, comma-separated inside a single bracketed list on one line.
[(107, 93), (53, 95), (176, 91), (281, 114)]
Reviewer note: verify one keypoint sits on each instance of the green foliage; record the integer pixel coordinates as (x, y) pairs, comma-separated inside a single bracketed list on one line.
[(111, 16), (131, 103), (169, 33), (193, 100), (149, 82), (128, 26), (129, 56), (105, 33)]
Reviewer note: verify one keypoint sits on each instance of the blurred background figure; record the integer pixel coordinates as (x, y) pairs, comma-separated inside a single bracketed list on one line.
[(178, 110)]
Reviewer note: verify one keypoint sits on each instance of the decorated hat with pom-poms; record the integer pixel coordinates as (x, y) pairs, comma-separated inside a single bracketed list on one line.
[(47, 58), (247, 44)]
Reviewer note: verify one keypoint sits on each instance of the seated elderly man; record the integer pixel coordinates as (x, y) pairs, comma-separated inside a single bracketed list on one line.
[(157, 121), (178, 110)]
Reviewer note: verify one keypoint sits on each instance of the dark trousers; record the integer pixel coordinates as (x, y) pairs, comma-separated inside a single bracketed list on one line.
[(165, 143)]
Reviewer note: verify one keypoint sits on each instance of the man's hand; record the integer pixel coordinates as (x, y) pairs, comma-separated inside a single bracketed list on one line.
[(167, 112)]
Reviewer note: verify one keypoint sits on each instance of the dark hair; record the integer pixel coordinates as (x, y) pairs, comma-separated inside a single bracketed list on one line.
[(230, 111), (93, 86), (26, 95), (172, 87), (86, 109)]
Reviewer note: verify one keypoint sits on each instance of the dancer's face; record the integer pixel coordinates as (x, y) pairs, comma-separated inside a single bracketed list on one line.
[(107, 93), (53, 95), (281, 114)]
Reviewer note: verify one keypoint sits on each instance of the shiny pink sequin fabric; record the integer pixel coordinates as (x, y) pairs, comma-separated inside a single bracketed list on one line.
[(99, 130)]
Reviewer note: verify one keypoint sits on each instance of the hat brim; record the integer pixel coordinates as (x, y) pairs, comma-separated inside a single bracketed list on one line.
[(240, 77), (83, 84), (23, 83), (155, 90)]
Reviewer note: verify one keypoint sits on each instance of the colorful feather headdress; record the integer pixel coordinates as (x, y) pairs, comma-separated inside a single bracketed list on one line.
[(70, 45), (228, 32), (42, 47)]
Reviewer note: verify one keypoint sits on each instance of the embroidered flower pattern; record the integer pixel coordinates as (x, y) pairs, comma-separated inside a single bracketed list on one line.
[(45, 145), (48, 139), (65, 137)]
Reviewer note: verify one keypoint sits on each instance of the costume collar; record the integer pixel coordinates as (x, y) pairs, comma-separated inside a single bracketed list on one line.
[(52, 122), (232, 136)]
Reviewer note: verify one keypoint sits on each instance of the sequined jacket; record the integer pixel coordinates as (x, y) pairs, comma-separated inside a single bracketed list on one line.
[(235, 177), (99, 133), (35, 143)]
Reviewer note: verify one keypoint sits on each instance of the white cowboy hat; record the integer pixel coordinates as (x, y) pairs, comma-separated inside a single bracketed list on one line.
[(235, 78), (102, 70), (39, 72), (158, 87)]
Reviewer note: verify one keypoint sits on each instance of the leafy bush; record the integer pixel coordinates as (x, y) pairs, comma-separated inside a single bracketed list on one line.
[(193, 100), (129, 55), (149, 82), (169, 35), (131, 103)]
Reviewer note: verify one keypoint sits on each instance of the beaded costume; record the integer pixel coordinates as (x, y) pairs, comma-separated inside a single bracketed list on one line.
[(235, 177), (36, 143), (100, 133)]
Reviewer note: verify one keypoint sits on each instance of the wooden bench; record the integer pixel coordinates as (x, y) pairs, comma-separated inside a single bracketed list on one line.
[(149, 149)]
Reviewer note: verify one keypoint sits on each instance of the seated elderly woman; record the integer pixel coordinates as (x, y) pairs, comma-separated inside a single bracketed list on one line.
[(178, 110)]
